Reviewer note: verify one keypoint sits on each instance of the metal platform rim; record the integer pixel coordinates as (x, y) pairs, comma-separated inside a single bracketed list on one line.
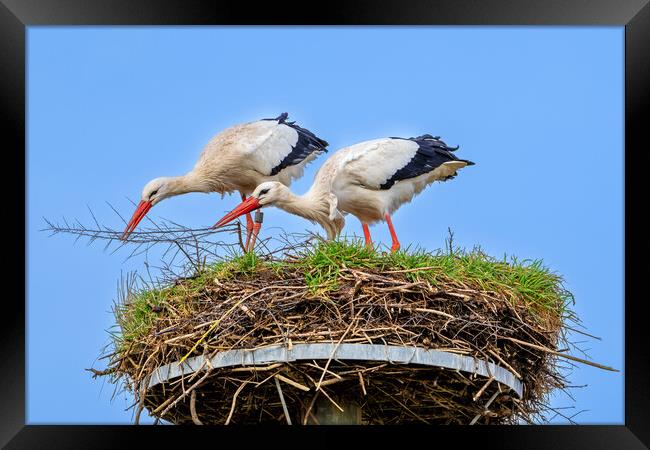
[(318, 351)]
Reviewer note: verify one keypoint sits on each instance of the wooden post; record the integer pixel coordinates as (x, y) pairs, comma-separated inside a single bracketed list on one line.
[(325, 413)]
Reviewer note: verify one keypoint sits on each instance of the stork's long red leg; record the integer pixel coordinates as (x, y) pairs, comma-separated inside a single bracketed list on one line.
[(393, 235), (366, 234), (259, 217), (249, 225)]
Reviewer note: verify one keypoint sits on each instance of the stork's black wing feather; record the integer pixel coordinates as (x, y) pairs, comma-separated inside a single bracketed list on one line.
[(431, 153), (307, 144)]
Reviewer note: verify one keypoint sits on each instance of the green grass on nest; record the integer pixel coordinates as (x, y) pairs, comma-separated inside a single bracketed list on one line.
[(523, 282)]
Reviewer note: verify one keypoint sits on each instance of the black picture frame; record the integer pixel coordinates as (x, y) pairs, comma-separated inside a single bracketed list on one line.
[(16, 15)]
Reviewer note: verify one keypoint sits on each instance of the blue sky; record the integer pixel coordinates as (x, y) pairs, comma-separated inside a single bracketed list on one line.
[(539, 109)]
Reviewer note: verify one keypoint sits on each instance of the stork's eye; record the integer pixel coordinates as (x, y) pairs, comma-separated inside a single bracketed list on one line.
[(153, 193), (263, 191)]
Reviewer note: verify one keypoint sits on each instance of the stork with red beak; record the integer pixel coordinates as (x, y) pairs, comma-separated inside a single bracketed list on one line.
[(239, 159), (369, 180)]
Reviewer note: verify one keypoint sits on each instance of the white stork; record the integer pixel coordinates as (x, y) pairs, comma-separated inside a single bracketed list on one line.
[(369, 180), (238, 159)]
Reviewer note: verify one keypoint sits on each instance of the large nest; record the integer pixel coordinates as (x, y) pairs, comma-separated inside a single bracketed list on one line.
[(508, 313)]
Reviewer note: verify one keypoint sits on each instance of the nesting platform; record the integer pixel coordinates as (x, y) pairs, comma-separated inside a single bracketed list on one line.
[(341, 334)]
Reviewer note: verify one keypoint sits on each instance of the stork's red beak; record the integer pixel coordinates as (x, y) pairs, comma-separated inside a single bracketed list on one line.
[(142, 209), (248, 205)]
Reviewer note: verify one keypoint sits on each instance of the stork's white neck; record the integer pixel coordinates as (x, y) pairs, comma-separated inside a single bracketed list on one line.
[(190, 182), (313, 206)]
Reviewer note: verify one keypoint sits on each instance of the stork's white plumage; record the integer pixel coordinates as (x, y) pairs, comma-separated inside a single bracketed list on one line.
[(369, 180), (238, 159)]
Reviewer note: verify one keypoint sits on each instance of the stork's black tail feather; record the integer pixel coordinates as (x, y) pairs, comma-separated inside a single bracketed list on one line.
[(433, 141), (302, 132), (307, 138), (430, 143), (307, 144), (431, 153)]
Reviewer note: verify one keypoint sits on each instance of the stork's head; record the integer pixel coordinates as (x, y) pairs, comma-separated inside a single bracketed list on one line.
[(154, 191), (270, 192), (266, 194), (158, 189)]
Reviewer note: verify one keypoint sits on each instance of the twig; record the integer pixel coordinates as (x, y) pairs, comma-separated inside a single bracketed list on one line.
[(480, 392), (496, 355), (143, 393), (331, 400), (99, 373), (332, 355), (195, 417), (563, 355), (284, 405), (489, 402), (234, 401), (363, 387), (256, 369), (184, 394), (292, 383), (311, 405)]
